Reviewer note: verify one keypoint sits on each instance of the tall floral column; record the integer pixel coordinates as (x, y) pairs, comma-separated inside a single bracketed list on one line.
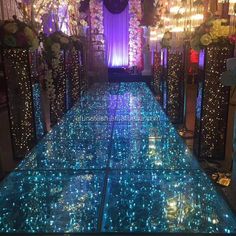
[(97, 30), (96, 16), (56, 78), (97, 53), (17, 39), (213, 96), (212, 103), (173, 79), (135, 33)]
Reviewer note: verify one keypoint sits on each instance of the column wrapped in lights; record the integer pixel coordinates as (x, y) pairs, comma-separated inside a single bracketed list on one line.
[(58, 102), (173, 78), (157, 73), (84, 82), (214, 40), (175, 86), (73, 58), (36, 73), (212, 103), (17, 40), (20, 100)]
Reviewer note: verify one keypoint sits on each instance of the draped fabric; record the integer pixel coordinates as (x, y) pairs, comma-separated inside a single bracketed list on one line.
[(116, 6), (116, 29)]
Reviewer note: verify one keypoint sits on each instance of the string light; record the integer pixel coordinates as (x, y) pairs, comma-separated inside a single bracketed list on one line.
[(65, 10), (174, 83), (213, 118), (157, 73), (58, 105), (75, 78), (179, 17), (22, 126)]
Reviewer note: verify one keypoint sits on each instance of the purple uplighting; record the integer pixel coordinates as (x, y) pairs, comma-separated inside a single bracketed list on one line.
[(201, 59), (116, 27)]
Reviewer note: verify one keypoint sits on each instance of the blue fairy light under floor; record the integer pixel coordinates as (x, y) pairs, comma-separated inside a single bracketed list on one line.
[(114, 163)]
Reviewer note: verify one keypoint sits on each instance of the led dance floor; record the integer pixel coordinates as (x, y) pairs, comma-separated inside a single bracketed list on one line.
[(113, 164)]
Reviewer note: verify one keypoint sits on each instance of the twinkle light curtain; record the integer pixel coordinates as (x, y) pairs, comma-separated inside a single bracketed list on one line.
[(116, 29)]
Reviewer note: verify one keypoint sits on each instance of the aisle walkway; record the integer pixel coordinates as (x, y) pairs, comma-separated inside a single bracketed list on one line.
[(114, 164)]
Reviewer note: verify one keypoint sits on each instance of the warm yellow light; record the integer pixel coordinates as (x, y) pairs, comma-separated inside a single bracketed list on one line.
[(182, 10), (174, 10), (160, 35), (172, 203), (197, 17), (166, 18), (153, 33), (232, 3), (177, 29), (158, 163)]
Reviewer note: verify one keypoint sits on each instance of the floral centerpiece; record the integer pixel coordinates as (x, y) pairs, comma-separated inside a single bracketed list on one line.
[(166, 40), (52, 46), (54, 43), (212, 31), (76, 42), (16, 34)]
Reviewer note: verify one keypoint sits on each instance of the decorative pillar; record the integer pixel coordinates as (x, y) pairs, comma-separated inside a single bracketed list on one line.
[(135, 34), (84, 82), (37, 93), (163, 86), (17, 75), (157, 73), (228, 78), (212, 103), (73, 72), (173, 85), (147, 71), (58, 103)]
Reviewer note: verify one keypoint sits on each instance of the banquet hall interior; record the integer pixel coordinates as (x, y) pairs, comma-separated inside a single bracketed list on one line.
[(117, 117)]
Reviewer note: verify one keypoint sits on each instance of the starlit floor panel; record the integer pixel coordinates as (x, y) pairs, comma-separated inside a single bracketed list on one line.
[(113, 164), (50, 201), (164, 201)]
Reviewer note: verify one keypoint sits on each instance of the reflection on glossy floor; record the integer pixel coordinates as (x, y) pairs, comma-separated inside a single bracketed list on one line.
[(113, 164)]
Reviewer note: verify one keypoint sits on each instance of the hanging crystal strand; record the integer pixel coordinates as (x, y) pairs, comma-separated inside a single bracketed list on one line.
[(232, 12)]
